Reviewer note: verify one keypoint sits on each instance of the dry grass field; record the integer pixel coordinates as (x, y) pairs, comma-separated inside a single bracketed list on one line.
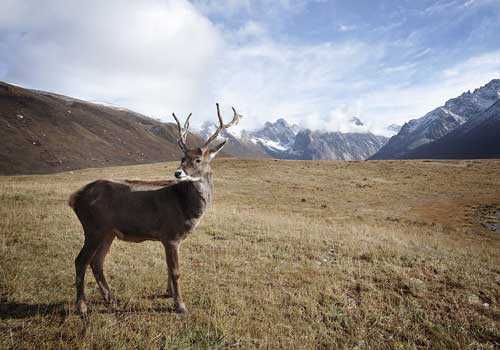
[(294, 254)]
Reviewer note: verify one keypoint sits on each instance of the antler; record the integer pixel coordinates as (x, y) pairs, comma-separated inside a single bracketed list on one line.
[(236, 119), (181, 141)]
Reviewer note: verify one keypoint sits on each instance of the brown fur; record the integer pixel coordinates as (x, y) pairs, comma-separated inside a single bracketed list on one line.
[(154, 183), (72, 198)]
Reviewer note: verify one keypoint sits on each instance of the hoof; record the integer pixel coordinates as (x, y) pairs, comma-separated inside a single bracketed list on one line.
[(81, 308), (181, 308)]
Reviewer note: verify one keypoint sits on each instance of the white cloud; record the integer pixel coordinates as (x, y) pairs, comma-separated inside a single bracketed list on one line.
[(156, 57), (259, 8), (228, 7), (469, 3), (268, 79), (151, 56), (345, 28), (397, 104), (337, 119), (251, 30)]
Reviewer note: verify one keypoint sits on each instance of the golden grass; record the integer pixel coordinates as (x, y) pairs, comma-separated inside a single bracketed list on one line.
[(294, 254)]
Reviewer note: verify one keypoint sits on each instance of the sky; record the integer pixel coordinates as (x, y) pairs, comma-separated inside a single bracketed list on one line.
[(316, 63)]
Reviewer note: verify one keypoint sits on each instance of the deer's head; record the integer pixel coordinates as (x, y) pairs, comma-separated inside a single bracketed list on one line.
[(195, 162)]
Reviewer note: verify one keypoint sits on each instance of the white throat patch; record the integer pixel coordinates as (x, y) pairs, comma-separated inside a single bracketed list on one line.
[(186, 177), (189, 178)]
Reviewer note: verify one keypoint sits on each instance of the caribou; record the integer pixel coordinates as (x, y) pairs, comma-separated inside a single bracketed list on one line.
[(135, 212)]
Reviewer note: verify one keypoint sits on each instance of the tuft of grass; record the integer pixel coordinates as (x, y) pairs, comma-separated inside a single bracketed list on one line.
[(293, 254)]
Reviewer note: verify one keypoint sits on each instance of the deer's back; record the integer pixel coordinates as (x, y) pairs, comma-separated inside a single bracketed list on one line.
[(105, 205)]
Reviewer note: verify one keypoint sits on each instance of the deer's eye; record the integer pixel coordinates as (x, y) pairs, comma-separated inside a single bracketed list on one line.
[(197, 160)]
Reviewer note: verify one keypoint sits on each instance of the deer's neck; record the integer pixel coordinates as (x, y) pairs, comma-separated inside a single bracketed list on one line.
[(205, 188), (195, 196)]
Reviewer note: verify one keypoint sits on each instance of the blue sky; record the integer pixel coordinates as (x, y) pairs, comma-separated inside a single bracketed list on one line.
[(317, 62)]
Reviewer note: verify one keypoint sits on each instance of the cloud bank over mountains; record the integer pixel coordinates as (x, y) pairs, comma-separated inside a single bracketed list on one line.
[(316, 63)]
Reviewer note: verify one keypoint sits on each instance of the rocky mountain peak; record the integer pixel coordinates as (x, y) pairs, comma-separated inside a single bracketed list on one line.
[(395, 128), (356, 121), (441, 121), (281, 139), (281, 122)]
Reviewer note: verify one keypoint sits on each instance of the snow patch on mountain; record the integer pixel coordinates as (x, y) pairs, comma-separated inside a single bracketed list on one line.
[(277, 136), (280, 139), (276, 146)]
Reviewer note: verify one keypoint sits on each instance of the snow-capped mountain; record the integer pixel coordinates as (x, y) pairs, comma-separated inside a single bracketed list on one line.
[(237, 145), (335, 145), (283, 140), (440, 121), (477, 138), (271, 140), (274, 138)]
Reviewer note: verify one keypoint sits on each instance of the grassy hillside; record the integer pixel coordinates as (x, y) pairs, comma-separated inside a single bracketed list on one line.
[(42, 132), (294, 254)]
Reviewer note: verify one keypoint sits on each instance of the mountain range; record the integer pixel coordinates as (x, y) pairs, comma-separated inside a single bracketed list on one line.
[(461, 128), (477, 138), (282, 140), (44, 132)]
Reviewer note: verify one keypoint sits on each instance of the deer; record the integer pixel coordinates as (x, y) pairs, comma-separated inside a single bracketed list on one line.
[(134, 212)]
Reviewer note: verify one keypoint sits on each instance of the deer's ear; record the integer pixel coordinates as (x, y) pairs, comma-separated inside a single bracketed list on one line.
[(213, 152)]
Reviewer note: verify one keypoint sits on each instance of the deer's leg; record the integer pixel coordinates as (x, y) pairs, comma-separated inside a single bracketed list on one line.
[(97, 264), (170, 293), (81, 262), (172, 257)]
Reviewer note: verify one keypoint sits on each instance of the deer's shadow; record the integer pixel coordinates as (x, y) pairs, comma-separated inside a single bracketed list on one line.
[(14, 310)]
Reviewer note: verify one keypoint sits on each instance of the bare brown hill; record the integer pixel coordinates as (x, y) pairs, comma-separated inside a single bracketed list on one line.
[(42, 132)]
